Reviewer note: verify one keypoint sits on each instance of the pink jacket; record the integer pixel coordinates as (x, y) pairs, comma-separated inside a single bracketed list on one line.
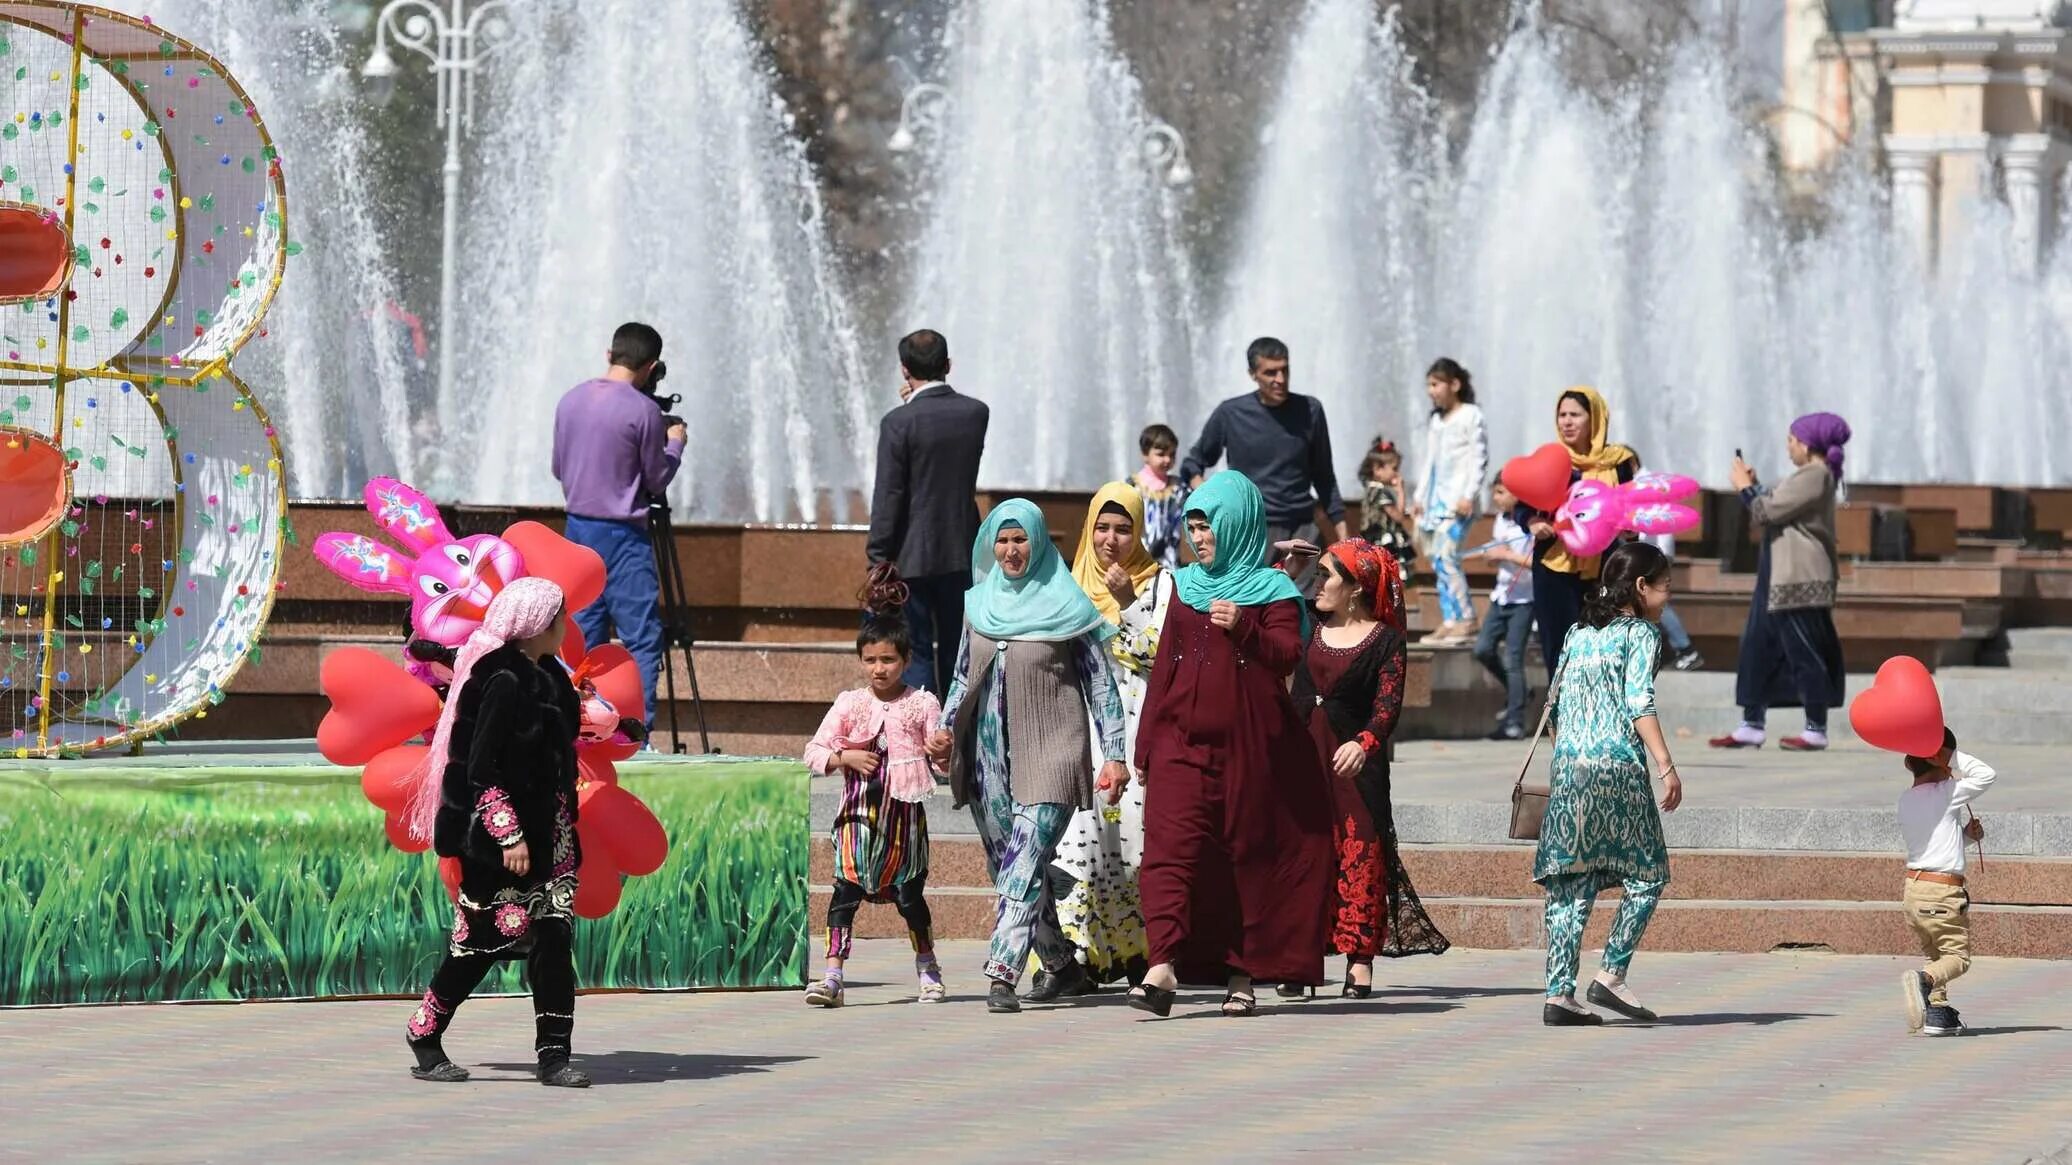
[(858, 719)]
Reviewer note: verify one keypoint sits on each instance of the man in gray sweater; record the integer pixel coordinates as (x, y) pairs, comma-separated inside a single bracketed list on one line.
[(1282, 442)]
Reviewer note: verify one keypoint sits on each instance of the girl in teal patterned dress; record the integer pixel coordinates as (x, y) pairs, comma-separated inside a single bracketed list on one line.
[(1601, 828)]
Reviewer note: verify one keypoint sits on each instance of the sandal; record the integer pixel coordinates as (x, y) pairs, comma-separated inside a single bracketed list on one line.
[(1156, 1000), (443, 1072), (1294, 991), (1239, 1006), (1352, 990)]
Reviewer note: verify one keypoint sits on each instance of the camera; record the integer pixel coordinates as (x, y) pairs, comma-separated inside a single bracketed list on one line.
[(653, 388)]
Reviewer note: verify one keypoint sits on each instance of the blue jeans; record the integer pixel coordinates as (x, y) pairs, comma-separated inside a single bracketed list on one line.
[(935, 625), (1673, 631), (632, 599), (1509, 626)]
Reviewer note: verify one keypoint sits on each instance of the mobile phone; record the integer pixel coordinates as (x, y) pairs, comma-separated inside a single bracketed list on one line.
[(1737, 454)]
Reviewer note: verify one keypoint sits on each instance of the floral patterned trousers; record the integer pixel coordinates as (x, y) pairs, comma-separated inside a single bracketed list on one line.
[(1569, 898), (1021, 841)]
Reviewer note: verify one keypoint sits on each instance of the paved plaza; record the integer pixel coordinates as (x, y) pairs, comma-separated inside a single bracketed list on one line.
[(1759, 1058)]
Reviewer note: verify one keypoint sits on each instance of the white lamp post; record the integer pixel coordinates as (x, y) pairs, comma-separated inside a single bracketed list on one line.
[(1165, 149), (919, 110), (456, 41)]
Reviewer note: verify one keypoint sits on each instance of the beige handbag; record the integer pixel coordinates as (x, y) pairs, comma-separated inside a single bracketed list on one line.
[(1529, 802)]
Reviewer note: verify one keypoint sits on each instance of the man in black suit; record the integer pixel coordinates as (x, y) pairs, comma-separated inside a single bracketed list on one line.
[(924, 511)]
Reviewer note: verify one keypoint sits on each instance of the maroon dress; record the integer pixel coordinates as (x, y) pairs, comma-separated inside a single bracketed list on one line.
[(1238, 866), (1356, 694)]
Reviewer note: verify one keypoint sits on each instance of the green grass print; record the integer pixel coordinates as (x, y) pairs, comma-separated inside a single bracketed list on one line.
[(246, 884)]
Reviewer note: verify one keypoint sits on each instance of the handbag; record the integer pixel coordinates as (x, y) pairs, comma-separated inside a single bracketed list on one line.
[(1529, 802)]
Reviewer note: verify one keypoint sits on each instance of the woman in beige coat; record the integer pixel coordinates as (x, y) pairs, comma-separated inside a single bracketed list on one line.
[(1789, 651)]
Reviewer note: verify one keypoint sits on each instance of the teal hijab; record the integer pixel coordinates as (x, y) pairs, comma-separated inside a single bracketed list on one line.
[(1045, 604), (1237, 516)]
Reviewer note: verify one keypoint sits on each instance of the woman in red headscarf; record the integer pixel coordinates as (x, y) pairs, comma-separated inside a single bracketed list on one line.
[(1350, 685)]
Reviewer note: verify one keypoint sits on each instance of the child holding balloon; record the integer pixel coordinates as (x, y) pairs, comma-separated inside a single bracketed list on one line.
[(1937, 905), (875, 737)]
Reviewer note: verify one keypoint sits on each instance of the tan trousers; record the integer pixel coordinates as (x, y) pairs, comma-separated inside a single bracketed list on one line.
[(1941, 918)]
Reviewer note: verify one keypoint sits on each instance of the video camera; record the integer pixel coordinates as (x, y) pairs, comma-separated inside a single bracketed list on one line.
[(653, 388)]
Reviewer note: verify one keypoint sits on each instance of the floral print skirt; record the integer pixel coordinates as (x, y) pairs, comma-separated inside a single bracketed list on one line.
[(496, 909)]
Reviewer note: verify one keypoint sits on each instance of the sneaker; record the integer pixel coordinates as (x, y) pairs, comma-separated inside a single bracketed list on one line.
[(933, 989), (1689, 660), (825, 993), (1943, 1021), (1000, 998), (1915, 986), (1508, 732)]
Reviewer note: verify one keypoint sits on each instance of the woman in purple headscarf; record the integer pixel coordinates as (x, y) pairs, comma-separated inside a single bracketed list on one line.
[(1789, 651)]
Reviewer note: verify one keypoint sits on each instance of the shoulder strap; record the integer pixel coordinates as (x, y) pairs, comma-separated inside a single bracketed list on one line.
[(1546, 715)]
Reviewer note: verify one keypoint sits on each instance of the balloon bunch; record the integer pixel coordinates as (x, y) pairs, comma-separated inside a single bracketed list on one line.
[(375, 714), (1590, 515)]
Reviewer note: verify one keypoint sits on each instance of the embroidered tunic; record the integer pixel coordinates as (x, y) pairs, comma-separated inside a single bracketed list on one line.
[(1601, 815), (511, 778)]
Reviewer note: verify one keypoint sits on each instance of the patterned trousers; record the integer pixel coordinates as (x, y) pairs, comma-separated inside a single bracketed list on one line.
[(1569, 898), (1442, 547), (1021, 841)]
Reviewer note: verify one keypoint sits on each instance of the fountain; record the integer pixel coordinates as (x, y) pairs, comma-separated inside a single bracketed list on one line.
[(1636, 243), (1051, 257)]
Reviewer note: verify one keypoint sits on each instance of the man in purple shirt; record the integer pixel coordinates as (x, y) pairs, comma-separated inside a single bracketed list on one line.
[(611, 453)]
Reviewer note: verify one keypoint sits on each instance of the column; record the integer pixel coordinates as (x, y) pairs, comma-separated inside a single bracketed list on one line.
[(1914, 199), (2025, 198)]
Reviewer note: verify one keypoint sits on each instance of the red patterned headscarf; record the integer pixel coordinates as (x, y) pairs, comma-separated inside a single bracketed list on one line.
[(1379, 576)]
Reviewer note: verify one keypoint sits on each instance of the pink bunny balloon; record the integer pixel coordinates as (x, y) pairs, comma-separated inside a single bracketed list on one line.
[(1660, 518), (450, 580), (1590, 519), (1651, 488)]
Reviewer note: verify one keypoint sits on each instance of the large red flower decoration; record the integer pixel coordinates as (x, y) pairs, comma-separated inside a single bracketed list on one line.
[(377, 710)]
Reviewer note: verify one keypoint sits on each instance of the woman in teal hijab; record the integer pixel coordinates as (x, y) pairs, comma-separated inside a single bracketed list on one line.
[(1239, 871), (1031, 692)]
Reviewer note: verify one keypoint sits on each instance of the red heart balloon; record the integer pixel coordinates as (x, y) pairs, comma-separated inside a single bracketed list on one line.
[(449, 873), (399, 836), (1540, 478), (598, 887), (374, 705), (627, 827), (387, 778), (1901, 711), (576, 569)]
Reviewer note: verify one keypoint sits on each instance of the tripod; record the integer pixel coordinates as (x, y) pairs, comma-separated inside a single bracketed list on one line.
[(676, 622)]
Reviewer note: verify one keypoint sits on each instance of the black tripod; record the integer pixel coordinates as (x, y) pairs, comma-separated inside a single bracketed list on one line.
[(676, 622)]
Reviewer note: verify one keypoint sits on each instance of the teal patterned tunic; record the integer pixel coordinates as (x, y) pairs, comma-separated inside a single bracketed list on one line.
[(1601, 815)]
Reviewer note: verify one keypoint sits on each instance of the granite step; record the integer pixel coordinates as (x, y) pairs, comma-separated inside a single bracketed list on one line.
[(1679, 924), (1506, 872), (2040, 649), (2001, 705)]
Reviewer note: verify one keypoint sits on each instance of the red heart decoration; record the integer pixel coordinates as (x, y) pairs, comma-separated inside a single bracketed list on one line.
[(576, 569), (1901, 711), (1540, 478), (387, 779), (627, 828), (375, 705)]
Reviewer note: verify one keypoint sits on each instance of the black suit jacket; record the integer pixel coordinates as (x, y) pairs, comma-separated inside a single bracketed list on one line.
[(924, 509)]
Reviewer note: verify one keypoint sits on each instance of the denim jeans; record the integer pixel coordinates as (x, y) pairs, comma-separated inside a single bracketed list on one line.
[(1673, 632), (632, 599), (935, 625), (1510, 626)]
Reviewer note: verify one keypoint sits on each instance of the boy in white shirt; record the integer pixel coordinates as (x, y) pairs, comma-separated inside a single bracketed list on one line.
[(1931, 817), (1501, 645)]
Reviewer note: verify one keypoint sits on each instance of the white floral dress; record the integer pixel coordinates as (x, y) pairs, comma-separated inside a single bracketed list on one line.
[(1103, 846)]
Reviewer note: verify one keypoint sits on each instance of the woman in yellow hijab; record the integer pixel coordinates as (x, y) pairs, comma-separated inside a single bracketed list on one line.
[(1582, 422), (1101, 915)]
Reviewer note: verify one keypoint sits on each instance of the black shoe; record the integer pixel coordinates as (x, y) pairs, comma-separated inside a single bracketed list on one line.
[(1352, 990), (1000, 999), (1555, 1015), (1689, 660), (1156, 1000), (1508, 732), (1604, 996), (443, 1072), (1048, 986), (1943, 1021), (562, 1074)]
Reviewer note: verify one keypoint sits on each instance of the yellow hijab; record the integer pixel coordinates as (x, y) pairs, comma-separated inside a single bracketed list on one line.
[(1601, 463), (1086, 565)]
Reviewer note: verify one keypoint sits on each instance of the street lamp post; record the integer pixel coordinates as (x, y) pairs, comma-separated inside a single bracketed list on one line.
[(456, 41), (919, 110), (1164, 149)]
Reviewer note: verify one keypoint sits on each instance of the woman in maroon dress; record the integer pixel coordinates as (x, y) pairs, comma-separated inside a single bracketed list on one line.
[(1351, 684), (1238, 869)]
